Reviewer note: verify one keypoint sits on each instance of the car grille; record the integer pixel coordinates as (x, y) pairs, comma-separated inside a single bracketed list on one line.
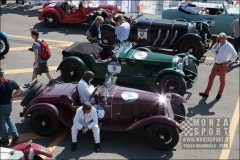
[(170, 111)]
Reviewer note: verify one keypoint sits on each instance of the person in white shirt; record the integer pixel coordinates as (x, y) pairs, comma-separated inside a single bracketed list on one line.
[(85, 89), (224, 54), (123, 29), (85, 119), (235, 33)]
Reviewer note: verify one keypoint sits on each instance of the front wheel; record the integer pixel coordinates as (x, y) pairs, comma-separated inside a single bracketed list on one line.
[(72, 71), (196, 46), (4, 46), (163, 136), (51, 20), (171, 83), (44, 123), (206, 30), (108, 37)]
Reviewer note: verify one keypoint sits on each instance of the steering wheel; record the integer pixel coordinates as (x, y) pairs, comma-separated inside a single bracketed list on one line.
[(93, 94), (219, 11)]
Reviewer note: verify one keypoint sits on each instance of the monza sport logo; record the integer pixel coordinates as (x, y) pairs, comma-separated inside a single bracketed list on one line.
[(205, 133)]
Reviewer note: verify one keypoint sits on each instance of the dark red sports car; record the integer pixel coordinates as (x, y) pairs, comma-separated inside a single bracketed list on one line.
[(54, 13)]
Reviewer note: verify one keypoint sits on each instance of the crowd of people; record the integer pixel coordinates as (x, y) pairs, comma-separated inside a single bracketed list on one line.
[(86, 115)]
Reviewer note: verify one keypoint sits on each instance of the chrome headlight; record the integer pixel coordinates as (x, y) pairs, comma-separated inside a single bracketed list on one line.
[(180, 66), (186, 59), (191, 27), (163, 103)]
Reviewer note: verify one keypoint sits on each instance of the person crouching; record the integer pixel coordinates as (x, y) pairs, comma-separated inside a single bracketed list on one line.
[(85, 119)]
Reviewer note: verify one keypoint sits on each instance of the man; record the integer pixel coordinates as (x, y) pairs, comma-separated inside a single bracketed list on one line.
[(235, 34), (94, 32), (85, 89), (85, 119), (7, 95), (123, 29), (224, 54), (40, 65)]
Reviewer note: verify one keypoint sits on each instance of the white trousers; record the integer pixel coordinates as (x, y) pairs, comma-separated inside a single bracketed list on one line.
[(95, 129)]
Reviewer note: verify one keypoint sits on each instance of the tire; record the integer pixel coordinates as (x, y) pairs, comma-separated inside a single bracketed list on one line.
[(50, 121), (108, 37), (51, 20), (169, 80), (196, 45), (74, 68), (31, 94), (4, 46), (206, 30), (170, 134)]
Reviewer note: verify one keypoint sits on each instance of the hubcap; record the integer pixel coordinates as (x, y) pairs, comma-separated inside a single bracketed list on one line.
[(2, 46), (163, 135), (172, 86), (44, 121), (193, 47), (73, 71), (50, 20)]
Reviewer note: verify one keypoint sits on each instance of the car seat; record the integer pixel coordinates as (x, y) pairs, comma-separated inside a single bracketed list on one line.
[(75, 99)]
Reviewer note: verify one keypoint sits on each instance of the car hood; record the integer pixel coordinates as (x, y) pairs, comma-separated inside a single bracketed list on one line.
[(145, 22)]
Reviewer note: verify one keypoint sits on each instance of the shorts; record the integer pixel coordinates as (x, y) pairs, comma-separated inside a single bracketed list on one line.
[(42, 68)]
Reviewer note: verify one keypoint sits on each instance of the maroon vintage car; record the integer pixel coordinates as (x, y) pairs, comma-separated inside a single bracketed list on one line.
[(54, 13), (119, 109)]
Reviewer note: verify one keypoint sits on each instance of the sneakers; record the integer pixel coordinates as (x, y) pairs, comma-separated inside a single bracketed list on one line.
[(27, 84), (74, 146), (218, 96), (15, 138), (203, 94), (6, 142), (97, 147)]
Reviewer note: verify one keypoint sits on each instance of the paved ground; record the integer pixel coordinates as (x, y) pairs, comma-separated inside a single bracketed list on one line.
[(17, 22)]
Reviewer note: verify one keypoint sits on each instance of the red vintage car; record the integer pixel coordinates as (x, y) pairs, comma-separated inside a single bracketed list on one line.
[(119, 109), (54, 13)]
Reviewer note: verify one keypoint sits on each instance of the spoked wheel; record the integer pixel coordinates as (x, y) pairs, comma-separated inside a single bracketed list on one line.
[(171, 83), (72, 71), (44, 123), (4, 46), (51, 20), (163, 136), (196, 46)]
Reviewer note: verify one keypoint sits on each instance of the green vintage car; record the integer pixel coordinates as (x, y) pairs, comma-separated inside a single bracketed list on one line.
[(165, 73)]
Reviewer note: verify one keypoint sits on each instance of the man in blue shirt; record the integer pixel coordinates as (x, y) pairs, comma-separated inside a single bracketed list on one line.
[(123, 29), (7, 95), (94, 32)]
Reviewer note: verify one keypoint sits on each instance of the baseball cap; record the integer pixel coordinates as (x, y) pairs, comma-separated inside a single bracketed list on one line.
[(1, 70), (222, 35)]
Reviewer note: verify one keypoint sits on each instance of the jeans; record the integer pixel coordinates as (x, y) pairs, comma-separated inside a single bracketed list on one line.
[(5, 118), (236, 43)]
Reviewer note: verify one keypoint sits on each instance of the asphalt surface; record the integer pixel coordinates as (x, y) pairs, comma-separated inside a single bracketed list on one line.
[(17, 22)]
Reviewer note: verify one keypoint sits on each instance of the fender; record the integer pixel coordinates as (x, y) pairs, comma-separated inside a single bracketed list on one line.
[(3, 35), (185, 36), (154, 119), (181, 19), (51, 10), (107, 27), (39, 106), (176, 100), (73, 58)]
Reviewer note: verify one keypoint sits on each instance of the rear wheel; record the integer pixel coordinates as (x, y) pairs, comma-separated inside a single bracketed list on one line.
[(108, 37), (171, 83), (51, 19), (163, 136), (196, 46), (44, 123), (72, 71)]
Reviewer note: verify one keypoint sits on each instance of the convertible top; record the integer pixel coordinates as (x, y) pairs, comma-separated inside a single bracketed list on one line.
[(82, 48), (189, 8)]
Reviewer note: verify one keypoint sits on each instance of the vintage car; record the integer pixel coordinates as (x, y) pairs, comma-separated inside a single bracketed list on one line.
[(158, 34), (218, 16), (163, 73), (25, 151), (54, 13), (119, 109), (4, 44)]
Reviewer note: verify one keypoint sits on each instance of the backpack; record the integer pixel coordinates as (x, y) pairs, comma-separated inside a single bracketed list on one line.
[(46, 52)]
